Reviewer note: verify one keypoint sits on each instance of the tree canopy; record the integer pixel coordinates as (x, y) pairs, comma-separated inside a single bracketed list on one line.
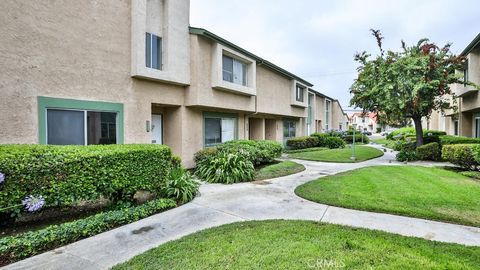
[(407, 84)]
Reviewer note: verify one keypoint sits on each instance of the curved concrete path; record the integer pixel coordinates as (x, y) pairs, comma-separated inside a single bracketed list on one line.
[(221, 204)]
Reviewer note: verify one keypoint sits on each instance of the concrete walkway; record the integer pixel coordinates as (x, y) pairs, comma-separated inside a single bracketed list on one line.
[(221, 204)]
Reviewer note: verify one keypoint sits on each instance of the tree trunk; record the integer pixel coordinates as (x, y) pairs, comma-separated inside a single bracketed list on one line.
[(418, 130)]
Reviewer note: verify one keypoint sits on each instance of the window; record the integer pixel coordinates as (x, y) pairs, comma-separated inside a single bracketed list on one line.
[(234, 71), (465, 74), (340, 127), (153, 51), (77, 127), (455, 128), (219, 130), (299, 92), (327, 114), (289, 129)]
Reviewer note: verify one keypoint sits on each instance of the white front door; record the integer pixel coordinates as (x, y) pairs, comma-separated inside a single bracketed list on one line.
[(157, 129)]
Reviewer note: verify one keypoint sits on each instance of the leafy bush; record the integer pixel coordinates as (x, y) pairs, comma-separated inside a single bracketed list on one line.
[(462, 155), (406, 155), (258, 152), (358, 138), (302, 142), (334, 133), (204, 153), (322, 138), (430, 151), (180, 185), (404, 146), (14, 248), (66, 175), (226, 168), (334, 142), (449, 139)]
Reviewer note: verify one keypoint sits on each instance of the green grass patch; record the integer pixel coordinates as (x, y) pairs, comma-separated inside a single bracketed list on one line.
[(342, 155), (277, 170), (430, 193), (289, 151), (384, 142), (280, 244)]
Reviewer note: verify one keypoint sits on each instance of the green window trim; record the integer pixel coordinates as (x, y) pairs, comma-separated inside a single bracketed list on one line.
[(45, 103), (219, 115)]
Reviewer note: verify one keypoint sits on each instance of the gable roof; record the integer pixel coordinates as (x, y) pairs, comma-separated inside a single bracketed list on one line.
[(258, 59), (475, 42)]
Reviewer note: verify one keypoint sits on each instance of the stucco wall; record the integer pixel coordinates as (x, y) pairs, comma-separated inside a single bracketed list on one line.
[(71, 51), (274, 94), (200, 92)]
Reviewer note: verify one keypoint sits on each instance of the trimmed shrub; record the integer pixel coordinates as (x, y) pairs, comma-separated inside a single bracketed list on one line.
[(66, 175), (14, 248), (358, 138), (258, 152), (334, 133), (180, 185), (401, 133), (227, 168), (462, 155), (404, 146), (406, 155), (449, 139), (472, 174), (302, 142), (334, 142), (322, 138), (204, 154), (430, 151)]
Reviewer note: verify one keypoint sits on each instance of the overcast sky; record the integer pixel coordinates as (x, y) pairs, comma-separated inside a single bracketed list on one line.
[(317, 40)]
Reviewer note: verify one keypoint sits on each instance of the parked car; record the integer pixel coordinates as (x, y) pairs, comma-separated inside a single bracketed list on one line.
[(368, 133)]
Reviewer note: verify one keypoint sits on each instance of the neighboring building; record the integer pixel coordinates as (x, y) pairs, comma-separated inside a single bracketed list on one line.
[(102, 72), (364, 121), (466, 121)]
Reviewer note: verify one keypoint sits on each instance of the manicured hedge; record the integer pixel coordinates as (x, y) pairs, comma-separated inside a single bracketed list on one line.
[(66, 175), (430, 151), (14, 248), (358, 138), (463, 155), (328, 140), (449, 139), (410, 131), (302, 142), (258, 152)]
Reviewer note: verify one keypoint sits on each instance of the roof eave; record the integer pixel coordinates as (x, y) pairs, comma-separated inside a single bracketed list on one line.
[(475, 42), (208, 34)]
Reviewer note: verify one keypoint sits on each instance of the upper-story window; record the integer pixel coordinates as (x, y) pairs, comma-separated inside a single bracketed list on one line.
[(234, 71), (465, 74), (153, 51), (299, 93)]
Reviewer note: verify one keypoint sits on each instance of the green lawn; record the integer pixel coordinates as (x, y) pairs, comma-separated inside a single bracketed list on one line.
[(277, 170), (431, 193), (289, 151), (276, 244), (343, 155), (384, 142)]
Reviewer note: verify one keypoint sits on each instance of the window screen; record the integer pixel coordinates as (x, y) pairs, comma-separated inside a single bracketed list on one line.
[(65, 127)]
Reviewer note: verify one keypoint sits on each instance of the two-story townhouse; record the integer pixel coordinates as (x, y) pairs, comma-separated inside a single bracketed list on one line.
[(465, 121), (135, 72)]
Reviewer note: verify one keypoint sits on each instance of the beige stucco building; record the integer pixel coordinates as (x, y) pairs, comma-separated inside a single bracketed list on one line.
[(466, 120), (134, 71)]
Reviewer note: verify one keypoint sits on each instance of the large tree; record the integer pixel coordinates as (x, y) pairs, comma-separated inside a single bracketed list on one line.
[(408, 84)]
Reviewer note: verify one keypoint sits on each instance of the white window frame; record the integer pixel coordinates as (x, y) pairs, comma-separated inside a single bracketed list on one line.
[(151, 51)]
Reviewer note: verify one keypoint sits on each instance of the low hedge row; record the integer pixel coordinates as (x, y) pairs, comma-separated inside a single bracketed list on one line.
[(466, 156), (66, 175), (14, 248), (316, 140), (303, 142), (358, 138), (450, 139), (410, 131)]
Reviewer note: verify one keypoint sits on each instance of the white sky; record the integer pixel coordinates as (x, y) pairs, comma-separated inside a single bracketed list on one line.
[(316, 40)]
